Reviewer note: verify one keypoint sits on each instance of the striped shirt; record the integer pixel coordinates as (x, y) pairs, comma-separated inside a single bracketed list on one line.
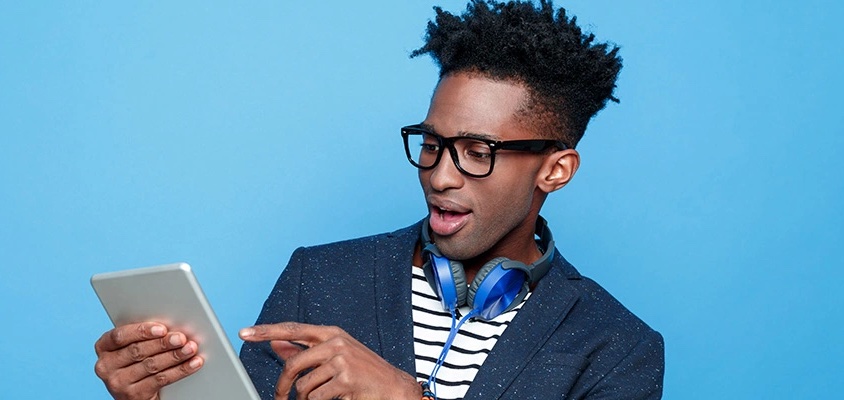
[(474, 341)]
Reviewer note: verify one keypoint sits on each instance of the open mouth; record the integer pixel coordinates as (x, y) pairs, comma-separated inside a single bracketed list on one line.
[(448, 214), (446, 222)]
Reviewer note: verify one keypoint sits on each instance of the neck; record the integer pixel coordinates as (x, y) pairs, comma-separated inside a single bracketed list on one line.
[(523, 250)]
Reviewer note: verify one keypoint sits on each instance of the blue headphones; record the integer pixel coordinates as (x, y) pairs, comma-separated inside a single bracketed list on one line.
[(499, 285)]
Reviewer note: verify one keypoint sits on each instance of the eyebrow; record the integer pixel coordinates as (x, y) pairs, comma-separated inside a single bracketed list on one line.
[(462, 133)]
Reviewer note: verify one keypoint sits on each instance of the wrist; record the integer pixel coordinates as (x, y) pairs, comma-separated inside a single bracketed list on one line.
[(409, 389)]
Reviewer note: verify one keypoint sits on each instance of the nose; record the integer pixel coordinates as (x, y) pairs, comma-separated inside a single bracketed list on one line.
[(446, 175)]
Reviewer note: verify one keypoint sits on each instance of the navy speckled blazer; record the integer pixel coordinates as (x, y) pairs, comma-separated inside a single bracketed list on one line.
[(571, 340)]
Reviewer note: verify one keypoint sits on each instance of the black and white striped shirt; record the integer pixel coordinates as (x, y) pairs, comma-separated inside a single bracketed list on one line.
[(474, 341)]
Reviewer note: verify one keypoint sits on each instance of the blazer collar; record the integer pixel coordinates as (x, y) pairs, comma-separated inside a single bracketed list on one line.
[(393, 259)]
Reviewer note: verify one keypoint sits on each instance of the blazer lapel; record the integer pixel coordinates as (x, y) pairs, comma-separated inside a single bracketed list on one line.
[(393, 259), (530, 329)]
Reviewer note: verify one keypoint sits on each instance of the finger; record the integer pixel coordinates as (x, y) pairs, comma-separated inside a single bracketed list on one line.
[(143, 380), (122, 336), (139, 351), (154, 383), (305, 334), (153, 365), (286, 349), (313, 380), (312, 358), (119, 378), (328, 391)]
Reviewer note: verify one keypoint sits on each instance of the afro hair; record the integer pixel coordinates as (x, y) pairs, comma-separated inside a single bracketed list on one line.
[(568, 75)]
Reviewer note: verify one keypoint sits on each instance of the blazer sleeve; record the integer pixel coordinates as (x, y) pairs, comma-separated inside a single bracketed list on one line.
[(638, 375), (260, 361)]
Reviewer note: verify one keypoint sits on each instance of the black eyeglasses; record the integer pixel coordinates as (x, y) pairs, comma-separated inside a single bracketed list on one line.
[(472, 156)]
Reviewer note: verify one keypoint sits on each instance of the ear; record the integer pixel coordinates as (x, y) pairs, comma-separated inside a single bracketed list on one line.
[(557, 170)]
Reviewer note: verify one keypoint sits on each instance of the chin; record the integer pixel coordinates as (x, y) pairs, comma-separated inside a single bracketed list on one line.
[(453, 251)]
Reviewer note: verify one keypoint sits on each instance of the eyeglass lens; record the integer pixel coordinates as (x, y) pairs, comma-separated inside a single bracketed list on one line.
[(473, 156)]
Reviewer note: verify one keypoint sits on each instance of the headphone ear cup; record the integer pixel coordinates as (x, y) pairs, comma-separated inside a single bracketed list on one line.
[(459, 281), (496, 289), (447, 279)]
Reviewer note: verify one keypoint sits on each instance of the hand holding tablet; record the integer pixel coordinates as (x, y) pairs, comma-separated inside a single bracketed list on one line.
[(167, 339), (137, 360)]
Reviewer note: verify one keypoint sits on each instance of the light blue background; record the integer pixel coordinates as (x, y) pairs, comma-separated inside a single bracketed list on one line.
[(226, 134)]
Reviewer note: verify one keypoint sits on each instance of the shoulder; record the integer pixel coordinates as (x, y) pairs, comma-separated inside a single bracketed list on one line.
[(610, 335), (597, 305), (617, 351), (394, 238), (609, 319), (357, 252)]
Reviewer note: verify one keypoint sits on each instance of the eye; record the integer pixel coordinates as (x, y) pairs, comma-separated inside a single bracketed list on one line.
[(430, 147), (430, 144), (477, 151)]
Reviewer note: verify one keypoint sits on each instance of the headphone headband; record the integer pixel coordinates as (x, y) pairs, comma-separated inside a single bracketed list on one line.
[(541, 266)]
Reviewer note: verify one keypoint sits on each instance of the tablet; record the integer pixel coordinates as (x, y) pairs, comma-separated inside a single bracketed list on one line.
[(170, 294)]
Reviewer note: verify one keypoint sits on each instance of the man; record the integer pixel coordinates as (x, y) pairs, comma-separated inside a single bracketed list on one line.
[(512, 319)]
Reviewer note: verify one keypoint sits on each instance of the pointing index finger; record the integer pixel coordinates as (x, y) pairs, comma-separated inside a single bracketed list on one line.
[(304, 334)]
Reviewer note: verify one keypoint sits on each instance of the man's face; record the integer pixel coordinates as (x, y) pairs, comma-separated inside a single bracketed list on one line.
[(491, 216)]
